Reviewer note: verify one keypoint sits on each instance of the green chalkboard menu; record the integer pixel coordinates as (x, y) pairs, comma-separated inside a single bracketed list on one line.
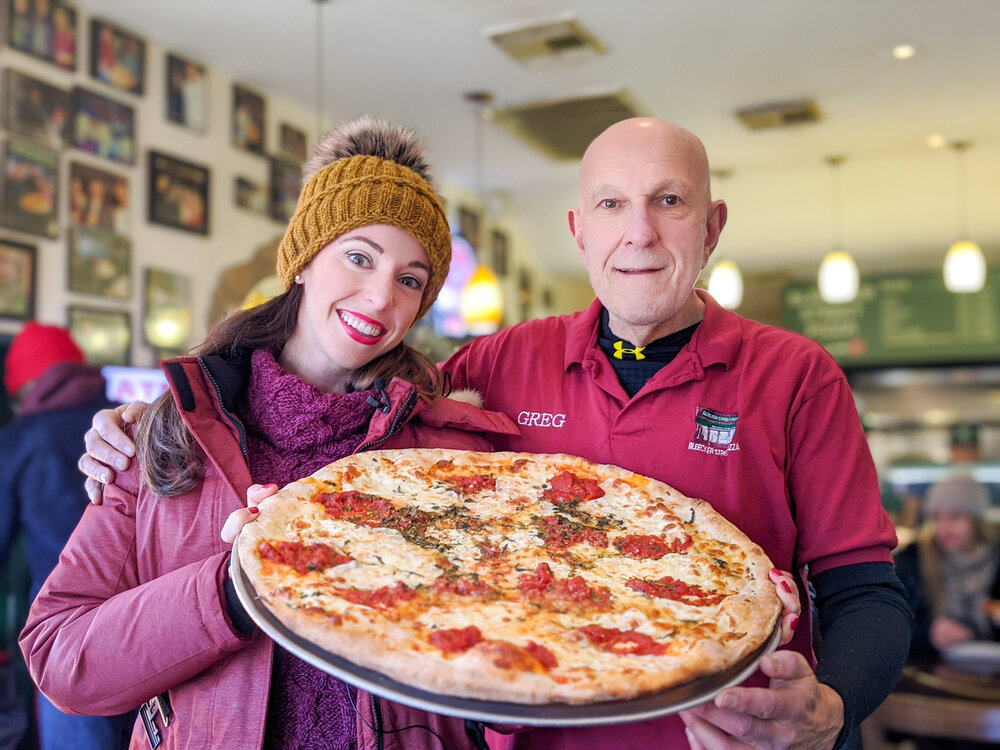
[(900, 320)]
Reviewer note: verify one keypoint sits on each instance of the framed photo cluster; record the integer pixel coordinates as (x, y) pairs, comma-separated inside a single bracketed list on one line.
[(97, 119)]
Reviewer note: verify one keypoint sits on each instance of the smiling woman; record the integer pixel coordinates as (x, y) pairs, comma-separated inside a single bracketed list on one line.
[(276, 392)]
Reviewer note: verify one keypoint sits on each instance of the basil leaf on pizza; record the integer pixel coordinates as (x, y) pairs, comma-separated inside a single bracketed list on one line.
[(528, 578)]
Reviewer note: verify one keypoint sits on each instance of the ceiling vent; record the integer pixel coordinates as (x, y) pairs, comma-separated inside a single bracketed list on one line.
[(562, 129), (559, 38), (779, 114)]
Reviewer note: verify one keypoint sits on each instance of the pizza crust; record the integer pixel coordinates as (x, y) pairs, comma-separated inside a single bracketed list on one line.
[(395, 640)]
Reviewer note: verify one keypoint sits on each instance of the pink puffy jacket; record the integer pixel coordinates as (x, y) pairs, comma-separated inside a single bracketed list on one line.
[(135, 606)]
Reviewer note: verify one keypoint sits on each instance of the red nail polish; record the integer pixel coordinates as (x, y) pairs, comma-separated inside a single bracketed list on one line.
[(255, 510), (775, 570), (793, 623), (786, 587)]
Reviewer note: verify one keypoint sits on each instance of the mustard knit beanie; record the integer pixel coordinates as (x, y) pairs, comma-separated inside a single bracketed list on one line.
[(360, 191)]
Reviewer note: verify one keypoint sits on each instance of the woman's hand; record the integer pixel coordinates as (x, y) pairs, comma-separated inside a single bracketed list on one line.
[(240, 518), (791, 608), (108, 446)]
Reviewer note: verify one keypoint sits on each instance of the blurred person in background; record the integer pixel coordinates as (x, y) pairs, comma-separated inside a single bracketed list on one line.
[(952, 570), (54, 393)]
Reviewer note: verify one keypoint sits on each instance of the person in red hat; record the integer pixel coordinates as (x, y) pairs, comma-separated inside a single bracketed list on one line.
[(54, 393)]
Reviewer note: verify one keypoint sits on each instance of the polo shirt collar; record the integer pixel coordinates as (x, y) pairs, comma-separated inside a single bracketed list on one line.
[(581, 336), (717, 340)]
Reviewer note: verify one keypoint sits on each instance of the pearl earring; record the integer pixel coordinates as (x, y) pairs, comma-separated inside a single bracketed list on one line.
[(298, 278)]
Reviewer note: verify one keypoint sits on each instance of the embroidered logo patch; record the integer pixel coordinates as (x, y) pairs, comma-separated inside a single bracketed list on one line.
[(714, 433)]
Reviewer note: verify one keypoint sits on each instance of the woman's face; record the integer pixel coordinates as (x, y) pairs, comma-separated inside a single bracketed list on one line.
[(360, 295), (954, 531)]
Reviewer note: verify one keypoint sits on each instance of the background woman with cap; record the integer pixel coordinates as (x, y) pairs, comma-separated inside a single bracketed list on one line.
[(141, 603), (952, 570)]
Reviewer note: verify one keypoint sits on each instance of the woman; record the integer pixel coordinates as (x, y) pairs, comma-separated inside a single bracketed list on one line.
[(141, 604), (952, 570)]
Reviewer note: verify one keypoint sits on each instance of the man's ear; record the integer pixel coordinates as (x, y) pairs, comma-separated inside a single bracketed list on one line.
[(718, 212), (573, 217)]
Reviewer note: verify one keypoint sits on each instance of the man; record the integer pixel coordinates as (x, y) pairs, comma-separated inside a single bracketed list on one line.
[(658, 378), (55, 394)]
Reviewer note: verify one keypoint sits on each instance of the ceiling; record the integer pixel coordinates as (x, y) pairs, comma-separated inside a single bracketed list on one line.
[(694, 63)]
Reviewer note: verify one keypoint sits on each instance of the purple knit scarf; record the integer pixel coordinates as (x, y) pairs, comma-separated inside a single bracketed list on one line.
[(293, 429)]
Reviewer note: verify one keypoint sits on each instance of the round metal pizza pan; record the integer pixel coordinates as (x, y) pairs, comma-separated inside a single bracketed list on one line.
[(653, 706)]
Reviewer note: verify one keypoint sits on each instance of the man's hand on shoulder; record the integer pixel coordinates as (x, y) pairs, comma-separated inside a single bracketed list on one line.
[(795, 711), (108, 446)]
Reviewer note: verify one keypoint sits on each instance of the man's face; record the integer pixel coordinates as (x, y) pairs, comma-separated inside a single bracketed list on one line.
[(646, 226)]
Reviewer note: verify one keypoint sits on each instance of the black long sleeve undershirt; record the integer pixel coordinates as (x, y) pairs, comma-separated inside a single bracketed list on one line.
[(863, 638)]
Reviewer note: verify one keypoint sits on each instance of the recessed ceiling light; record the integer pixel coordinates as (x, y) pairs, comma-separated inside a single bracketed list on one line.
[(903, 51), (936, 140)]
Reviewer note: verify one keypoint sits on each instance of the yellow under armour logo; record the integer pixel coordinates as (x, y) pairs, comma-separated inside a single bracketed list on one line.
[(620, 350)]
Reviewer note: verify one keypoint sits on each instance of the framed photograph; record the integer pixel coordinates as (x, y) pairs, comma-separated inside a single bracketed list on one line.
[(103, 126), (248, 119), (187, 93), (286, 182), (17, 280), (251, 195), (100, 262), (104, 335), (500, 255), (167, 306), (35, 109), (468, 226), (117, 57), (293, 144), (30, 177), (178, 193), (43, 28), (98, 199)]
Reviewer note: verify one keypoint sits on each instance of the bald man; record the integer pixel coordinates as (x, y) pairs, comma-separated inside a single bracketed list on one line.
[(656, 377)]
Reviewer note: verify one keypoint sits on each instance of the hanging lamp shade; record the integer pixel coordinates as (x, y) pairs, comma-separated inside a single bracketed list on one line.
[(481, 302), (838, 278), (964, 268), (725, 284), (964, 264)]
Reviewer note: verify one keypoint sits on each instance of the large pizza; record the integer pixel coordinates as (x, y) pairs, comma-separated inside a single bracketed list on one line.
[(528, 578)]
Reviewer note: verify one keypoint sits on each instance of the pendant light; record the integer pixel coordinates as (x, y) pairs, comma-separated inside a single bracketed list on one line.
[(964, 264), (838, 273), (481, 299), (725, 284)]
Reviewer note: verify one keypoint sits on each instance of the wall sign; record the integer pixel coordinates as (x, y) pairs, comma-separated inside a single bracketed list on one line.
[(900, 320)]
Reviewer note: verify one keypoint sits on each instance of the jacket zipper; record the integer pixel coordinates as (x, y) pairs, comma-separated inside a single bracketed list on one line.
[(377, 721), (405, 409), (229, 415)]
